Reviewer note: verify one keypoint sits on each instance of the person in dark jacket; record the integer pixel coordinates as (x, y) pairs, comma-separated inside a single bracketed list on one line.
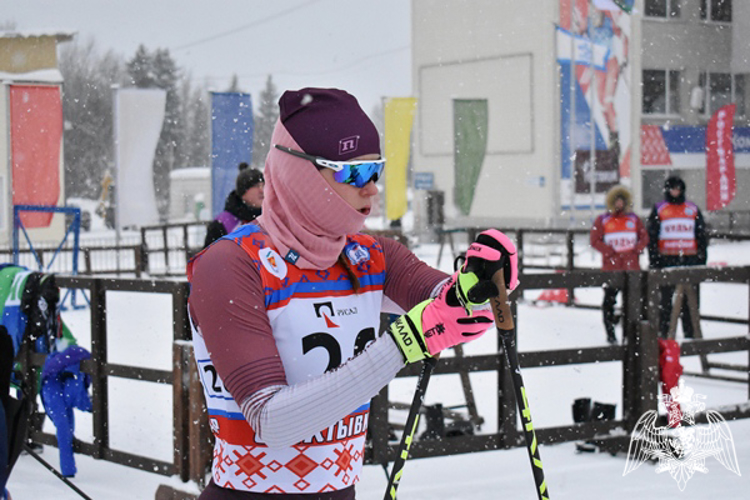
[(677, 237), (242, 205), (620, 236)]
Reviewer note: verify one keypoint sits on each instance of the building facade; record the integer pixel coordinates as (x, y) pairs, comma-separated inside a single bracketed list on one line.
[(31, 130), (508, 92)]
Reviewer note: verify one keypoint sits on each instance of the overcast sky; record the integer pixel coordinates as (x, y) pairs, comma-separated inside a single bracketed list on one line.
[(362, 46)]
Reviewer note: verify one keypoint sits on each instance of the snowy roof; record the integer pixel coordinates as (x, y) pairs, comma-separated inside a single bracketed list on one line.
[(61, 36), (51, 75), (191, 173)]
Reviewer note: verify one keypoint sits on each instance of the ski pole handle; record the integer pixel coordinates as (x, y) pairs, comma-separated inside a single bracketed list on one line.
[(500, 303)]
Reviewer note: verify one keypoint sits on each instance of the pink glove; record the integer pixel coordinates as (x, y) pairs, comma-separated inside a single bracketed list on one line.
[(460, 312), (446, 323)]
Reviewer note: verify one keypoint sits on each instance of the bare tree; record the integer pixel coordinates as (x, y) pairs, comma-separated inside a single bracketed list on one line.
[(87, 110)]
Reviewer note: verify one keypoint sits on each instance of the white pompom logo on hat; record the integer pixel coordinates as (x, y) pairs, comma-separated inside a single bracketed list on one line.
[(348, 144)]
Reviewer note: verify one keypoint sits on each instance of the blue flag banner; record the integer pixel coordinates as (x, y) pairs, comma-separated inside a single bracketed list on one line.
[(231, 142)]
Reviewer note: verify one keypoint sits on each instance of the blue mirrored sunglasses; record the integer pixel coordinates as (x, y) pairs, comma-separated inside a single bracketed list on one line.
[(355, 173)]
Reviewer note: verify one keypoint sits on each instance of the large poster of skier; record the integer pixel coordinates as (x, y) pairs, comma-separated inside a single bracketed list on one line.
[(593, 40)]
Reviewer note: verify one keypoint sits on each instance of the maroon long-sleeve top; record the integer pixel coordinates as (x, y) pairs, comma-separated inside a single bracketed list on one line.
[(227, 304)]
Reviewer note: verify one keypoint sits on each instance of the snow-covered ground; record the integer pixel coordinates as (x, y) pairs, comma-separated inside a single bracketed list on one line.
[(140, 412)]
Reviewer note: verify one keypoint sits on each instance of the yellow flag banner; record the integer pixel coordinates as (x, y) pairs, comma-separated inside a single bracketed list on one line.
[(399, 116)]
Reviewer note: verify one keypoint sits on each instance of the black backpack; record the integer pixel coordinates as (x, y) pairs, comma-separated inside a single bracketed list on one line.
[(15, 412)]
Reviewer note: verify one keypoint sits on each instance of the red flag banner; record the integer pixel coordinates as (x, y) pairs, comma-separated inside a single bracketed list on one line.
[(721, 182), (36, 121)]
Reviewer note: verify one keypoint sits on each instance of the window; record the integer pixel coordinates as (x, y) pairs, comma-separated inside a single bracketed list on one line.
[(720, 89), (663, 8), (717, 10), (661, 94)]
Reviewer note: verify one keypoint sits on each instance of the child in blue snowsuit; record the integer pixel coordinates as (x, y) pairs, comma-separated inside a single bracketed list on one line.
[(65, 387)]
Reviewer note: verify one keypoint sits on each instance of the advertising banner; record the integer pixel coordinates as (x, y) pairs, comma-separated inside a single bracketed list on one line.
[(36, 128), (231, 142), (592, 39), (470, 119), (721, 182), (139, 117), (399, 117)]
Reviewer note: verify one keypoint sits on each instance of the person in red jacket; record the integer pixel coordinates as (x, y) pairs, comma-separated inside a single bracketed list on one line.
[(620, 236)]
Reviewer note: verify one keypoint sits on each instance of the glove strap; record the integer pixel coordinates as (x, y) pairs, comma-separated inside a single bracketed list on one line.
[(407, 332), (465, 282)]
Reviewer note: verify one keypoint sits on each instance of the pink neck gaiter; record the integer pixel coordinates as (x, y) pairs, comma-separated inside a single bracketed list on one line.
[(300, 210)]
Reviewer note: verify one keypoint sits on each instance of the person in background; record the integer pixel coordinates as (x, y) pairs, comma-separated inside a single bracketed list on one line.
[(620, 236), (677, 237), (243, 204), (285, 310)]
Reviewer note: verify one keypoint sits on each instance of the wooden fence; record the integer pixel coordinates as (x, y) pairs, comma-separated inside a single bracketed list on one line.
[(101, 370), (638, 359), (163, 250)]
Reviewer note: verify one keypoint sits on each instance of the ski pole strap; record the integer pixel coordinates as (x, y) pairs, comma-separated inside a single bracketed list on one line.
[(410, 428)]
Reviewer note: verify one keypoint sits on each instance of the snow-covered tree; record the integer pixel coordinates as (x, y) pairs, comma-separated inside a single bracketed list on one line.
[(193, 146), (158, 69), (234, 85), (265, 119), (87, 111), (141, 69)]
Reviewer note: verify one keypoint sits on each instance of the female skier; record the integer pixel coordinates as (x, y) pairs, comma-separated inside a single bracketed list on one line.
[(285, 311)]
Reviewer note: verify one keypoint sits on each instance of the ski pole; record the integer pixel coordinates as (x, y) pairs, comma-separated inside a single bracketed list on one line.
[(507, 331), (410, 428), (62, 478)]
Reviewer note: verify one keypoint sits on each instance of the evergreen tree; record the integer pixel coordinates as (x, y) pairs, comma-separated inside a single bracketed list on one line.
[(265, 120), (167, 157), (193, 146), (140, 69), (234, 85), (159, 70)]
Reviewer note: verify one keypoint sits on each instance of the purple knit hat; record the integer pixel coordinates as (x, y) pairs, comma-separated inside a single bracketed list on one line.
[(328, 123)]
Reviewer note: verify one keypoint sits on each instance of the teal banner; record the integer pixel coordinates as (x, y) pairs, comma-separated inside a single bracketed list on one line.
[(470, 119)]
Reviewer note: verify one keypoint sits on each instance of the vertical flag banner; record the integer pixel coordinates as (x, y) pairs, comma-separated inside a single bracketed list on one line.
[(36, 128), (231, 142), (721, 183), (399, 117), (470, 120), (593, 39), (139, 117)]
